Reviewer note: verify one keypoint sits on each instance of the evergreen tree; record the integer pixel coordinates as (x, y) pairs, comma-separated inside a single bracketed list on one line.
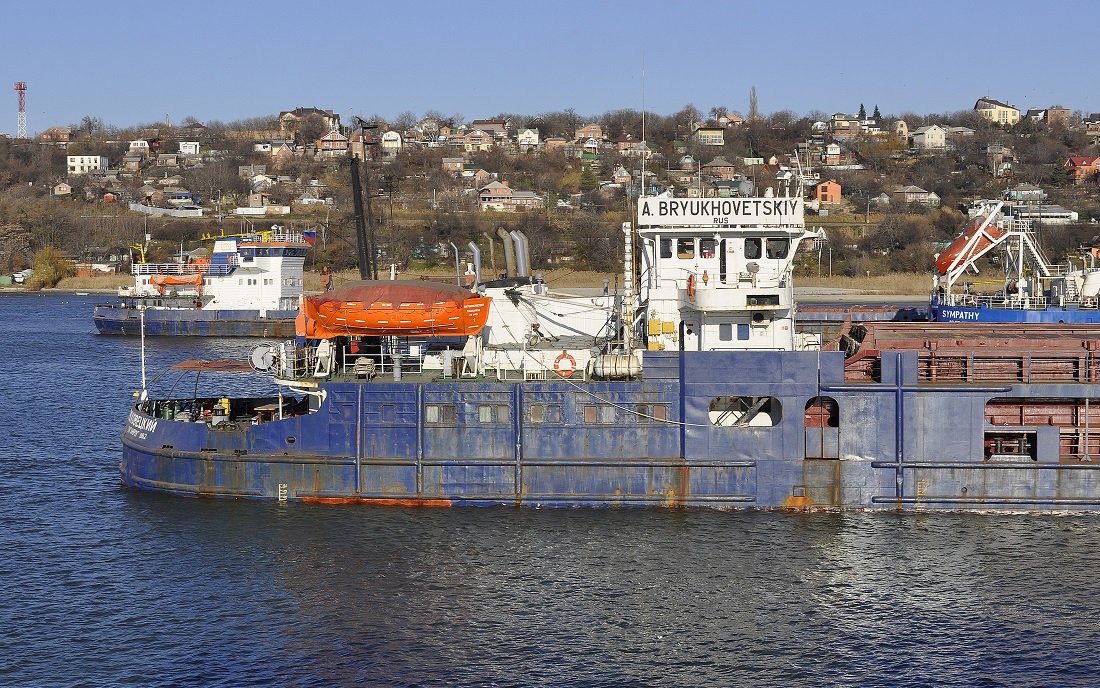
[(877, 114), (862, 111)]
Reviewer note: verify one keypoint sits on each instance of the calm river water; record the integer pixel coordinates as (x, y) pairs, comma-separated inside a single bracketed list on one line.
[(105, 586)]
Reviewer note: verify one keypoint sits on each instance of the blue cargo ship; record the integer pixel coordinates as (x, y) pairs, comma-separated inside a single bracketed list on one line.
[(248, 286), (689, 387)]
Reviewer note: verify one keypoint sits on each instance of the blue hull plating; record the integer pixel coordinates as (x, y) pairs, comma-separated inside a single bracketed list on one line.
[(896, 444), (1013, 315), (194, 323)]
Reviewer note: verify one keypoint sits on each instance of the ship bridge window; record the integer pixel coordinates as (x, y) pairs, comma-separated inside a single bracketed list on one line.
[(778, 248), (752, 247), (666, 248), (742, 412), (685, 247), (706, 248)]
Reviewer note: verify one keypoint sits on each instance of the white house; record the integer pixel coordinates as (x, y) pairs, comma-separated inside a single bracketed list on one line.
[(528, 139), (391, 143), (932, 137), (83, 164), (139, 146), (189, 147)]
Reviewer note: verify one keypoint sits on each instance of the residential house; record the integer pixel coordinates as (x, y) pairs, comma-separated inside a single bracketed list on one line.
[(333, 144), (496, 128), (844, 126), (1025, 193), (168, 160), (477, 140), (282, 153), (1082, 167), (915, 194), (476, 176), (709, 134), (189, 147), (498, 195), (360, 144), (629, 146), (1057, 117), (719, 168), (931, 137), (687, 163), (620, 176), (261, 182), (83, 164), (997, 112), (527, 140), (246, 171), (132, 162), (958, 132), (594, 131), (901, 131), (59, 136), (555, 143), (730, 120), (61, 189), (827, 192), (453, 166), (140, 146), (290, 121), (1092, 124)]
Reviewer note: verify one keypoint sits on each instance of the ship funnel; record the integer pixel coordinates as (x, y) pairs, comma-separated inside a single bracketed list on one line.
[(523, 254), (477, 260), (509, 253)]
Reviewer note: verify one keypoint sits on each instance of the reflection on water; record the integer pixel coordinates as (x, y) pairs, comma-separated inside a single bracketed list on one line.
[(107, 586)]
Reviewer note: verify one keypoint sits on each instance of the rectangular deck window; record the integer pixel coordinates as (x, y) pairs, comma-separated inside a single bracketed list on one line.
[(440, 414)]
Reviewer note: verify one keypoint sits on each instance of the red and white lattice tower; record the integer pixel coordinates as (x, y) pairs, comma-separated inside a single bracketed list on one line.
[(21, 88)]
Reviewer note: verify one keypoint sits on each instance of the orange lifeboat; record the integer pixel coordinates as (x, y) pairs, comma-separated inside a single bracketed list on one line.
[(194, 280), (401, 308), (967, 246)]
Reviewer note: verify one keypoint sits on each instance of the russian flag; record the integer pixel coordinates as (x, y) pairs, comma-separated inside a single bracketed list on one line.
[(310, 236)]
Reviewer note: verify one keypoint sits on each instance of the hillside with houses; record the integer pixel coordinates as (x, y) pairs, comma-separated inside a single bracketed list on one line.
[(889, 189)]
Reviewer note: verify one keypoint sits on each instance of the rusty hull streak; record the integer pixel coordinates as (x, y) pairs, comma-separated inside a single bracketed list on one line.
[(380, 501)]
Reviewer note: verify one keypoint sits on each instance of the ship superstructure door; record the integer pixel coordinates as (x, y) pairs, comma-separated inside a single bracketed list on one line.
[(822, 428)]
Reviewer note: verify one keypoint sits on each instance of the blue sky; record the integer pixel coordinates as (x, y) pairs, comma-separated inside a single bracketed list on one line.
[(131, 63)]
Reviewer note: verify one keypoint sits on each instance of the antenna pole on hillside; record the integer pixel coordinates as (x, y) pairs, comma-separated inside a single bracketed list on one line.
[(368, 267), (360, 227)]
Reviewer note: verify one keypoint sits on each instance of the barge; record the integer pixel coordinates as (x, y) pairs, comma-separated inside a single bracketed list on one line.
[(689, 387)]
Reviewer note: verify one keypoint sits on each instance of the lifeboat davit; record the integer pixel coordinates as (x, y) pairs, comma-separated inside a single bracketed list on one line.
[(972, 242), (393, 308)]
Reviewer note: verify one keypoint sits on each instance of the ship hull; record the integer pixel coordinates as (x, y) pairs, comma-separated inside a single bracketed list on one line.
[(116, 320), (893, 443), (964, 314)]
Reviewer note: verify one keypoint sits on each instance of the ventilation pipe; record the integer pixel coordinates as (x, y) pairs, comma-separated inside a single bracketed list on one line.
[(477, 261), (509, 253), (520, 247)]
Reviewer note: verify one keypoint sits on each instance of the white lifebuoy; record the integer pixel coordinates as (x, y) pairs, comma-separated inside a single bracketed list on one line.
[(1089, 302), (565, 364)]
